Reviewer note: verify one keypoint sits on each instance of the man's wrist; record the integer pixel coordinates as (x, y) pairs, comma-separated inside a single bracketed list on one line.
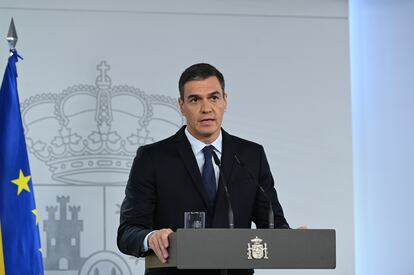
[(145, 243)]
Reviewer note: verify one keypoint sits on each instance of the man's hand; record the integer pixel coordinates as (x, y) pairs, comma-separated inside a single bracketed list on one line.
[(158, 242)]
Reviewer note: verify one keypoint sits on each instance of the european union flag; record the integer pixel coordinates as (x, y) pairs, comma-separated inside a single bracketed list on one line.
[(20, 252)]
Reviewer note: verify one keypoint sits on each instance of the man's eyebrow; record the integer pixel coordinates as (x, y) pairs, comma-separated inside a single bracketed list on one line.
[(214, 93), (193, 96), (198, 96)]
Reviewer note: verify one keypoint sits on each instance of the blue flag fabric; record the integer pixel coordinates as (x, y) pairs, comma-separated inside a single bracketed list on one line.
[(20, 239)]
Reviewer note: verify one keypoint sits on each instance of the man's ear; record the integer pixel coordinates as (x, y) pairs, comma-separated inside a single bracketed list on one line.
[(181, 103), (225, 101)]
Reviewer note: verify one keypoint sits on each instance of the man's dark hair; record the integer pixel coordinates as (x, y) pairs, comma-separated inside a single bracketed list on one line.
[(200, 71)]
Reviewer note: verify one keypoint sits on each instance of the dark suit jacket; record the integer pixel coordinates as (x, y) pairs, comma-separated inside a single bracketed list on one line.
[(165, 182)]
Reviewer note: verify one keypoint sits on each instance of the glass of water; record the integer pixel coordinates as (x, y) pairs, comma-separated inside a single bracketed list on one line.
[(194, 220)]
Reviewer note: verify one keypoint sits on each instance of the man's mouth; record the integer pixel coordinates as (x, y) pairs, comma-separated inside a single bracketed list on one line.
[(207, 120)]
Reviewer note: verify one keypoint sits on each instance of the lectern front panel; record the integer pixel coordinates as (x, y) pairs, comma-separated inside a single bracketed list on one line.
[(250, 248)]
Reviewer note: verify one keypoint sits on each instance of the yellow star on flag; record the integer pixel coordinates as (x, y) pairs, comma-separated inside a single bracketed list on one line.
[(34, 211), (22, 182)]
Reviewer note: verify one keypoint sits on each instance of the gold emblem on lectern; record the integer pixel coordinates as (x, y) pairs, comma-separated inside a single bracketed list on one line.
[(256, 250)]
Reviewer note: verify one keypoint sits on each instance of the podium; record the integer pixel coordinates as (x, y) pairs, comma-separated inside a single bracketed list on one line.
[(249, 249)]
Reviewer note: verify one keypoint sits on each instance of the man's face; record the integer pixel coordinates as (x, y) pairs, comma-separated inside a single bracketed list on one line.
[(203, 106)]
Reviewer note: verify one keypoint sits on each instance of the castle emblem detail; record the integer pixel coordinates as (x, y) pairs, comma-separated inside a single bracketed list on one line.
[(63, 236)]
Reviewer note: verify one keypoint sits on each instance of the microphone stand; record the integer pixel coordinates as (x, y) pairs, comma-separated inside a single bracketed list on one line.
[(230, 209), (271, 217), (226, 190)]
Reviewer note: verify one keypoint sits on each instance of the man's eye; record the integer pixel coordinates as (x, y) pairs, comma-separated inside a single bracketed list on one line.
[(193, 100), (215, 98)]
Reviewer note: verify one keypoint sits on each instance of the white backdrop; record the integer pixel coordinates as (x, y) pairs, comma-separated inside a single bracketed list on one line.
[(287, 72)]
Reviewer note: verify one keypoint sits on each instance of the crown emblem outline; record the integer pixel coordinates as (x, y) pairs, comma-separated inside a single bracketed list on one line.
[(91, 130)]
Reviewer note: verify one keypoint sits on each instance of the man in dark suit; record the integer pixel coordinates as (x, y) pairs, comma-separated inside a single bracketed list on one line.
[(178, 175)]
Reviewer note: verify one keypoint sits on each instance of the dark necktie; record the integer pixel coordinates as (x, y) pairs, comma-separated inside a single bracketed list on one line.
[(209, 177)]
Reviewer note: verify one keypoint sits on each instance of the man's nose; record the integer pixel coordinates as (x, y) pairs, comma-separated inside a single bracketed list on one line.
[(205, 106)]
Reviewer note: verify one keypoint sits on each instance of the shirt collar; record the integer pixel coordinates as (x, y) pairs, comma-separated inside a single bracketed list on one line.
[(198, 145)]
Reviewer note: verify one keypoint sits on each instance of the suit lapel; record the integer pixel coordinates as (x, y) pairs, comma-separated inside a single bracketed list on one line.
[(227, 157), (188, 158)]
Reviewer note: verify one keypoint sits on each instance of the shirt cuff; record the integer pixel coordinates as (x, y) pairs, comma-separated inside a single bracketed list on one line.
[(145, 246)]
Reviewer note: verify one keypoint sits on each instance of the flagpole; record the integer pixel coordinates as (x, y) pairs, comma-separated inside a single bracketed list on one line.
[(12, 41)]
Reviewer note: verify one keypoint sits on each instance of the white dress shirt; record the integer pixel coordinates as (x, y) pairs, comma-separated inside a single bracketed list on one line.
[(197, 147)]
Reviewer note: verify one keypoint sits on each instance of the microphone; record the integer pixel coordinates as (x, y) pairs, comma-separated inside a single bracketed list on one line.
[(271, 214), (230, 212)]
